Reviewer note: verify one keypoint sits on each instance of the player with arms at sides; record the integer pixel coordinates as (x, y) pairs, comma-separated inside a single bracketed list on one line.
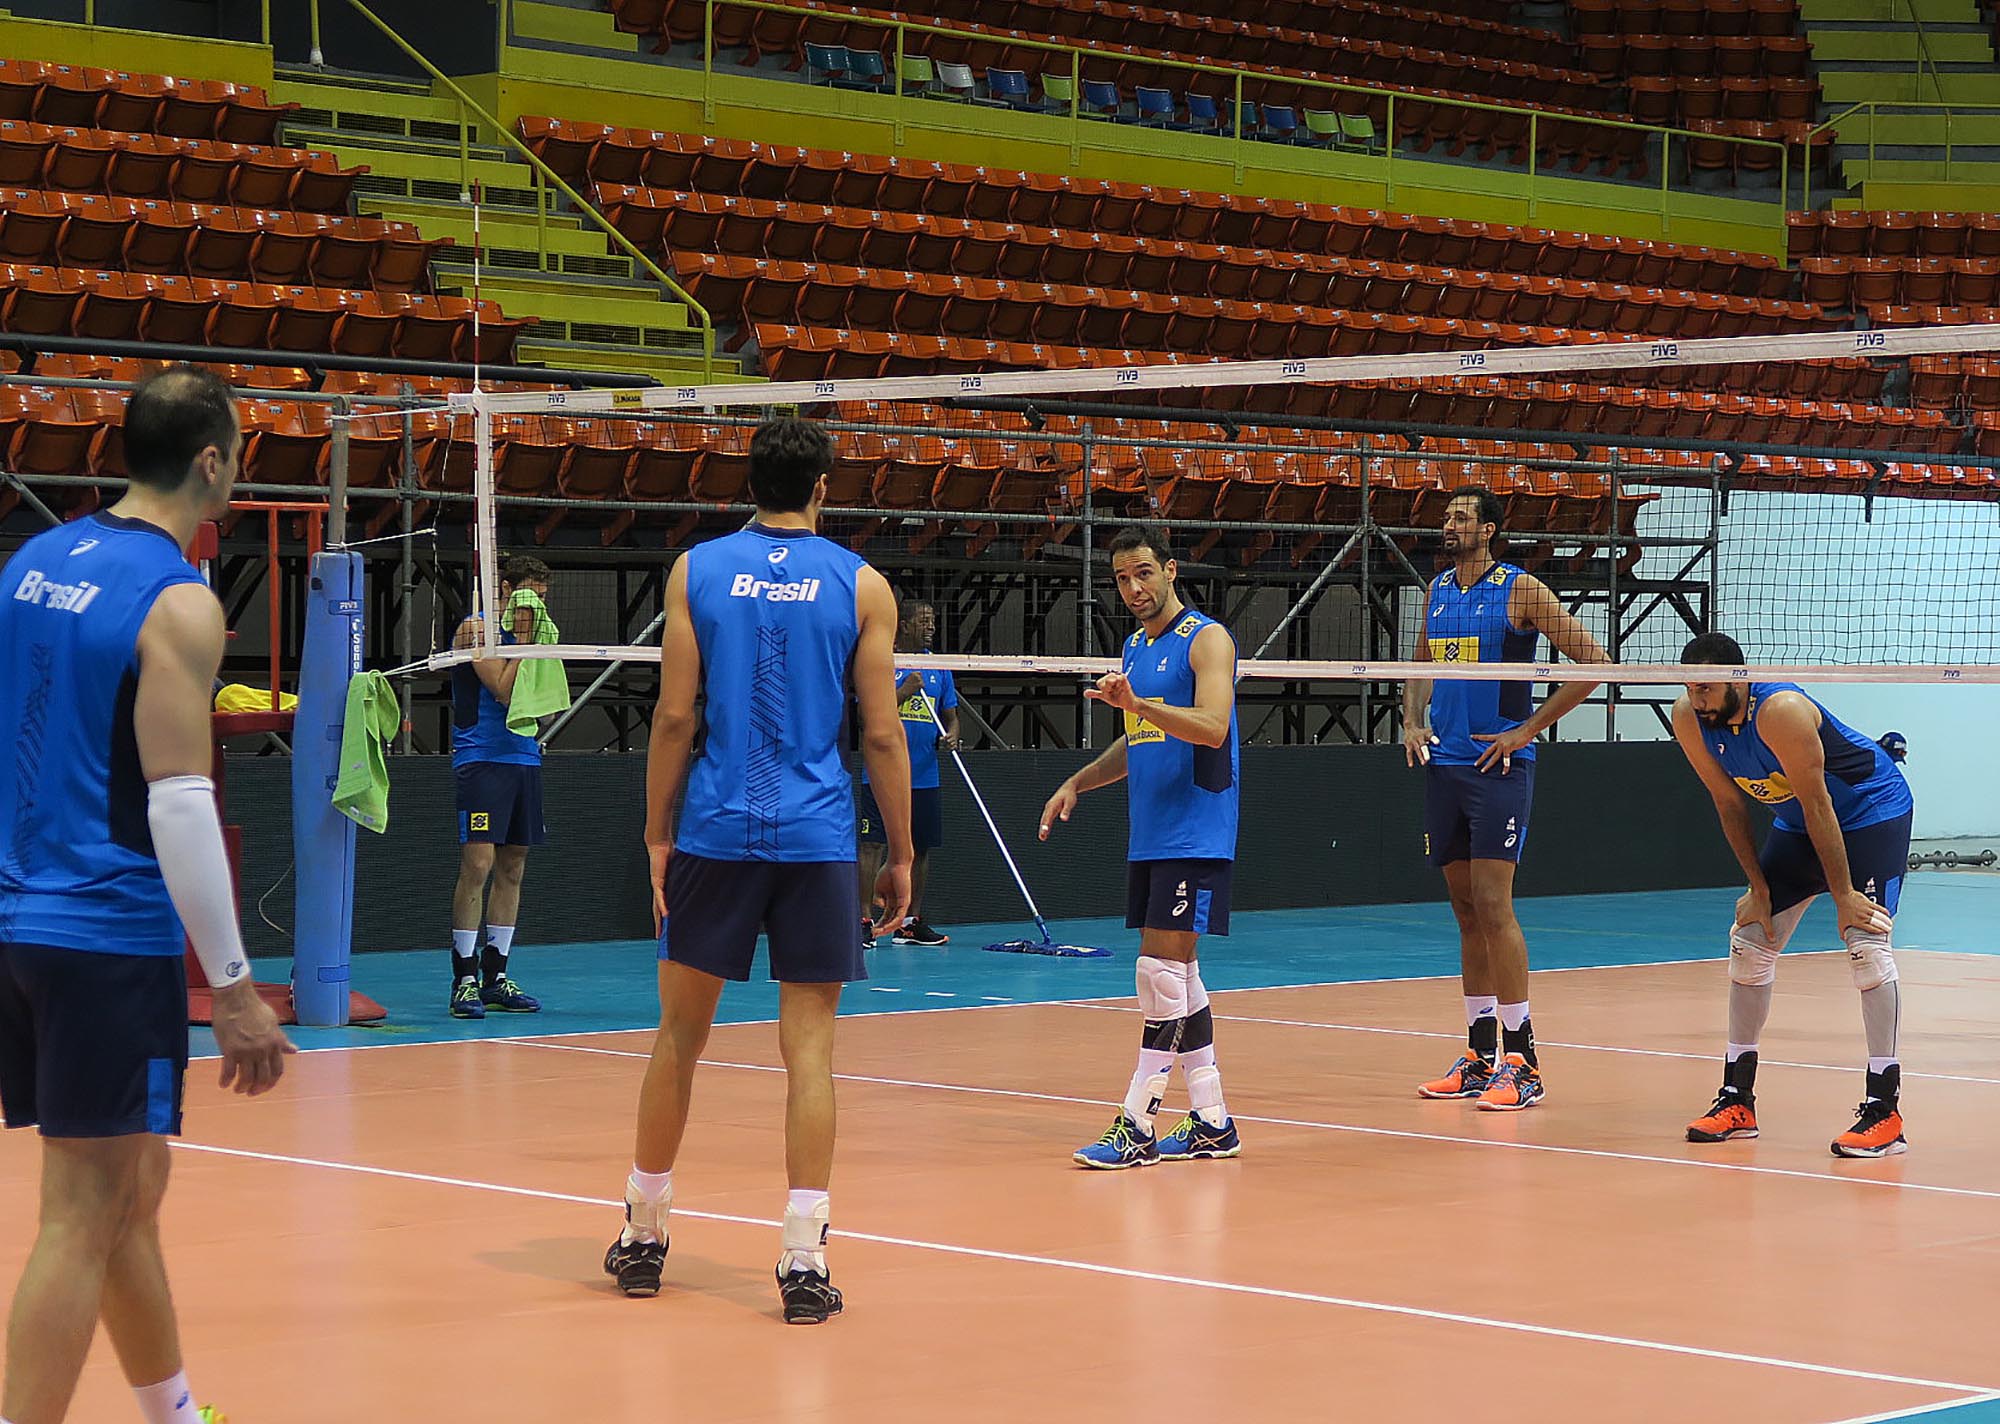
[(773, 627), (1178, 758), (919, 694), (109, 646), (1842, 828), (1476, 743)]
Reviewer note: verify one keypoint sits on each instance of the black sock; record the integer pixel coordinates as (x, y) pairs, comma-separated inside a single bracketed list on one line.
[(492, 964), (1886, 1085), (464, 967), (1483, 1037), (1740, 1077), (1520, 1040)]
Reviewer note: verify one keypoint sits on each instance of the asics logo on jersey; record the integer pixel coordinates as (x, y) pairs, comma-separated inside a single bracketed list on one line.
[(779, 554), (37, 588), (85, 547), (750, 586)]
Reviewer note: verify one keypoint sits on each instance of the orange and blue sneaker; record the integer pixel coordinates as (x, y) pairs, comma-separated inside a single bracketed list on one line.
[(1734, 1115), (1124, 1144), (1192, 1138), (1517, 1085), (1877, 1131), (1467, 1078)]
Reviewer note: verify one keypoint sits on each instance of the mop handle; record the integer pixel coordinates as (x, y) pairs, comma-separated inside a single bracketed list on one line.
[(980, 802)]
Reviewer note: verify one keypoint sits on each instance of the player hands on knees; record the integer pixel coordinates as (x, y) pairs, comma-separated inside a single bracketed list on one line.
[(1178, 757), (1841, 826)]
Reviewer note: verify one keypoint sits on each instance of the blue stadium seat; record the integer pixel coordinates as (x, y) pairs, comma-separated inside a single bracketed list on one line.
[(1156, 106), (1281, 123), (1008, 86), (825, 63), (1203, 113), (865, 69), (1100, 99)]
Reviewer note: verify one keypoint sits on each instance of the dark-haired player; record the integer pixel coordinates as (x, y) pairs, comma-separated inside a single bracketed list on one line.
[(1475, 740), (1178, 759), (1842, 828)]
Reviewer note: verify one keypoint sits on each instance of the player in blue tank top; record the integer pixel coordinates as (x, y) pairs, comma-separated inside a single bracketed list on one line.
[(1476, 743), (109, 646), (497, 782), (1176, 689), (918, 695), (773, 628), (1842, 828)]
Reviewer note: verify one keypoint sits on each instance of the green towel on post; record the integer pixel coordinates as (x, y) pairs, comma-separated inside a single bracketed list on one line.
[(541, 686), (373, 717)]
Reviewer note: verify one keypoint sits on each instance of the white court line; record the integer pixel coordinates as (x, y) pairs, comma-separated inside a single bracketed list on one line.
[(1923, 1411), (1539, 1043), (1405, 1134), (1412, 1312)]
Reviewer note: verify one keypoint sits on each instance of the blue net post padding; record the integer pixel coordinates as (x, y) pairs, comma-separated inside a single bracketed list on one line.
[(322, 838)]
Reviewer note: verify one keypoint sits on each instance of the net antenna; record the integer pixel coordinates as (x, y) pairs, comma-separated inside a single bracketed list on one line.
[(486, 512)]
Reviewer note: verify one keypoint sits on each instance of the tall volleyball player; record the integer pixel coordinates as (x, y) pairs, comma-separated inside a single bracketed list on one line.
[(773, 625), (1178, 759), (1476, 743)]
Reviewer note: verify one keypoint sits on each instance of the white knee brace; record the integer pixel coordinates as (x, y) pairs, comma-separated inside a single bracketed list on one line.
[(1163, 988), (1870, 959), (1753, 956)]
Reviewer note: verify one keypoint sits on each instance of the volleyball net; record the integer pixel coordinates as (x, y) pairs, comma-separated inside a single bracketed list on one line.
[(1783, 488)]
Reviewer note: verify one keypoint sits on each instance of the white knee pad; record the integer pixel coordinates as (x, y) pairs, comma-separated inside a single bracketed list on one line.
[(1197, 991), (1163, 988), (1753, 957), (1870, 959)]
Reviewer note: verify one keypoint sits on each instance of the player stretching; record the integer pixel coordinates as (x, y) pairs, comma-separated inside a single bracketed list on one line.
[(1843, 826), (1481, 610), (1178, 758)]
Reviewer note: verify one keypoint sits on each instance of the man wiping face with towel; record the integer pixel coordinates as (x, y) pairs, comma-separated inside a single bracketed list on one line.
[(498, 767)]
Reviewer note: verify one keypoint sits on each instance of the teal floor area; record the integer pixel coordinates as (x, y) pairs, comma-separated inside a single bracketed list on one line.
[(600, 987)]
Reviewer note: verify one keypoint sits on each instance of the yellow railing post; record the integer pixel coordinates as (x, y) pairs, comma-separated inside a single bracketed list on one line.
[(1947, 144), (1236, 124), (900, 99), (1533, 154), (708, 62), (464, 156), (264, 23), (1666, 172), (1389, 149), (541, 224), (90, 12), (1076, 107), (317, 56)]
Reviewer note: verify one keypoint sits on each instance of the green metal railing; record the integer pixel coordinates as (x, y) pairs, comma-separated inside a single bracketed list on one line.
[(1924, 60), (545, 177), (1233, 80), (1875, 108)]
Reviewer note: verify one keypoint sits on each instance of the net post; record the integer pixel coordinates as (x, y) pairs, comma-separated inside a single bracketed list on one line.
[(1367, 586), (336, 480), (1615, 621), (406, 484), (1086, 642), (485, 525)]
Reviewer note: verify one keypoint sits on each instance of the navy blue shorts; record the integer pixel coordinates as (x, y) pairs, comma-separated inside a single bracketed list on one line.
[(1878, 856), (1476, 815), (500, 803), (1191, 896), (809, 910), (92, 1045), (926, 818)]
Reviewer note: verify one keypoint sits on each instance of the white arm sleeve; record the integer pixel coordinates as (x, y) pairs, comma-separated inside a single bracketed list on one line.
[(187, 838)]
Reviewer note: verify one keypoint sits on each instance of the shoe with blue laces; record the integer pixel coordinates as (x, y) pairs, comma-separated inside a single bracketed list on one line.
[(505, 996), (1193, 1138), (1124, 1144)]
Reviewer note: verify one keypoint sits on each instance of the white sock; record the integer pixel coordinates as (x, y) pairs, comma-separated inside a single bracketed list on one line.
[(501, 938), (168, 1402), (1204, 1087), (1512, 1016), (464, 946), (808, 1215), (649, 1196), (1737, 1050), (1881, 1065), (1148, 1086), (1480, 1006)]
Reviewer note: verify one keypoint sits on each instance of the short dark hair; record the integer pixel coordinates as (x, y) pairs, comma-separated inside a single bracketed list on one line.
[(1714, 649), (517, 569), (787, 458), (171, 418), (1135, 537), (1492, 509), (907, 609)]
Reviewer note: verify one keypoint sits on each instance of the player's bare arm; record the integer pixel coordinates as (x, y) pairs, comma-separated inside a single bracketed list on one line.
[(672, 738), (1106, 770), (1533, 604), (1789, 725), (884, 746), (1418, 738)]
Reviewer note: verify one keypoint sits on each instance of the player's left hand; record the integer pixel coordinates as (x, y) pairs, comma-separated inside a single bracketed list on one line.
[(1500, 747), (658, 855), (1114, 689), (892, 891), (1855, 911), (949, 741)]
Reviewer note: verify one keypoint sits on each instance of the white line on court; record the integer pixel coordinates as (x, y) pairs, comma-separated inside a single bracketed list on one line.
[(1539, 1042), (1125, 1273), (1405, 1134), (1923, 1411)]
